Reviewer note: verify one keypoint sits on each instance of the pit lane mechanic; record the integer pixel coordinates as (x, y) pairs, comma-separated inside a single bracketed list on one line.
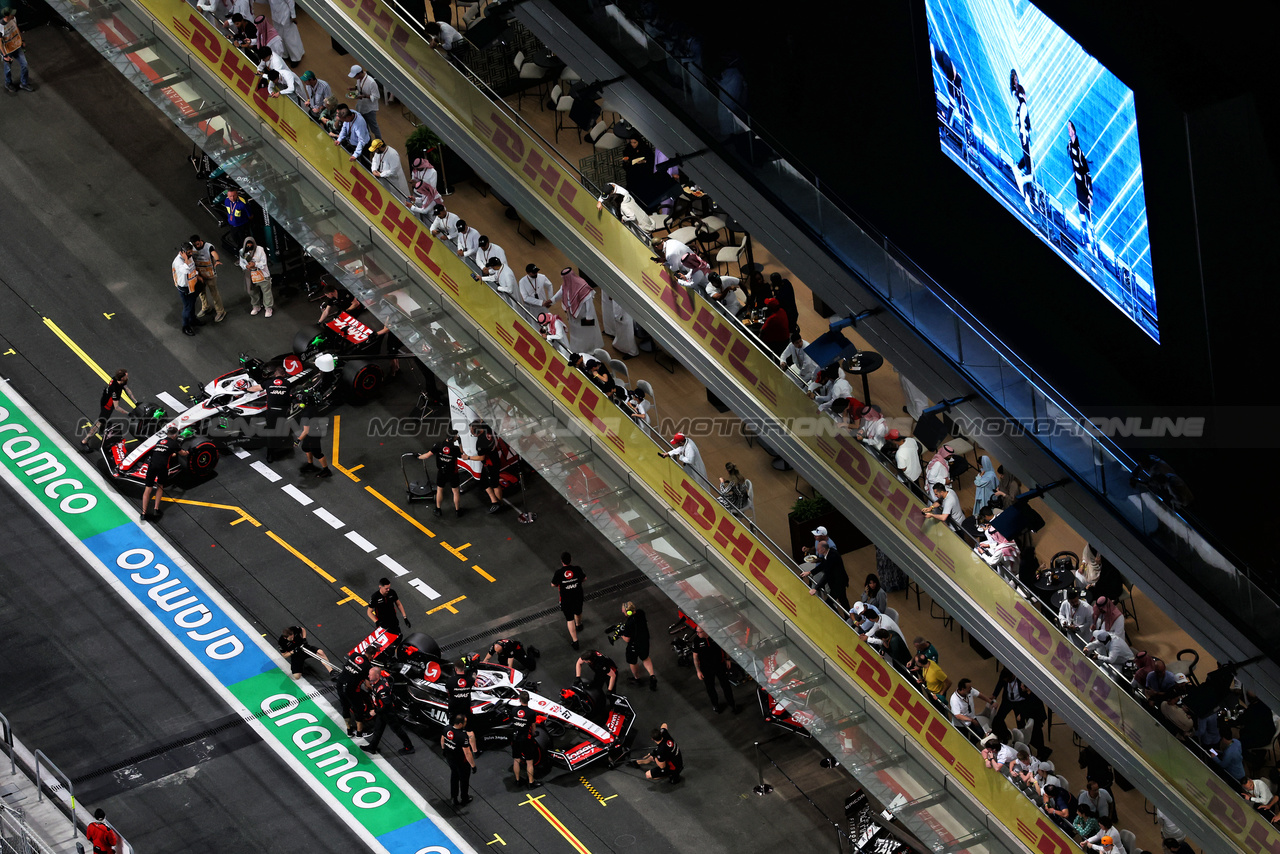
[(665, 755), (524, 744), (603, 669)]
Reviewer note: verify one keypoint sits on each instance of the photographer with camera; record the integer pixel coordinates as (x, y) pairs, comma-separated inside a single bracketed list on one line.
[(634, 631), (665, 755)]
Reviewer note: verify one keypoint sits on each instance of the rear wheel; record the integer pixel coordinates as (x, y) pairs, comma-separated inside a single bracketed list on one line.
[(202, 455), (304, 341), (361, 380), (147, 418), (545, 742)]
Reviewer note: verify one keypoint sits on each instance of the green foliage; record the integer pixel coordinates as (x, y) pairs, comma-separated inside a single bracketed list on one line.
[(807, 509), (422, 141)]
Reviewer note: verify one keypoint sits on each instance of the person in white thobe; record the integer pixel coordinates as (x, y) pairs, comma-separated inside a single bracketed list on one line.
[(424, 171), (386, 166), (727, 291), (556, 331), (466, 241), (686, 453), (284, 16), (607, 322), (629, 210), (624, 328), (672, 251), (444, 225), (500, 276), (535, 290), (578, 298), (488, 249)]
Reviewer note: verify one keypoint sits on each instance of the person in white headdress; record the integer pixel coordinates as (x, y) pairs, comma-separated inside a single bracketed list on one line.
[(579, 302)]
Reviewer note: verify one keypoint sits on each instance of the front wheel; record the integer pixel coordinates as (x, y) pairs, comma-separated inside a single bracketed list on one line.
[(202, 455)]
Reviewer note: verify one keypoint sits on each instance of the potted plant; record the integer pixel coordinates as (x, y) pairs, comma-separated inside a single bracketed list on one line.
[(807, 514)]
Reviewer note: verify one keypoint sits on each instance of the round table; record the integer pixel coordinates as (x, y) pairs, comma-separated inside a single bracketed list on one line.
[(863, 363), (1052, 580)]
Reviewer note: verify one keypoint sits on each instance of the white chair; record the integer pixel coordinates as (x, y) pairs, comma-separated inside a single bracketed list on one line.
[(528, 71), (563, 104), (732, 254), (1021, 746), (653, 401), (750, 508), (601, 356), (684, 235), (891, 613), (568, 75), (1017, 735), (604, 139), (621, 376), (468, 12), (1128, 840)]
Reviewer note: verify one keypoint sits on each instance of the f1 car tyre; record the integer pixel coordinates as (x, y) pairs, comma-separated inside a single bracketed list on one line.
[(202, 455), (147, 418), (545, 743), (361, 380), (302, 341), (423, 643)]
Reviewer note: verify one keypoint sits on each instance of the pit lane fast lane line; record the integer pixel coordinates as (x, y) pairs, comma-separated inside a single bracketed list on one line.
[(385, 812)]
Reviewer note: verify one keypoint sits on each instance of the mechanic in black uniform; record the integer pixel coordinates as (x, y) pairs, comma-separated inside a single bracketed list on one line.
[(524, 748), (460, 687), (354, 670), (665, 755), (487, 455), (309, 440), (569, 579), (279, 404), (382, 698), (509, 652), (446, 454), (383, 605), (293, 646), (708, 660), (635, 633), (336, 300), (107, 405), (459, 746), (605, 672), (158, 470)]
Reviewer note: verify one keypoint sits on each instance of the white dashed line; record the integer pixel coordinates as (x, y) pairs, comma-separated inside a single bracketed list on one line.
[(265, 470), (424, 588), (332, 520), (241, 453), (361, 542), (392, 565), (177, 405), (297, 494)]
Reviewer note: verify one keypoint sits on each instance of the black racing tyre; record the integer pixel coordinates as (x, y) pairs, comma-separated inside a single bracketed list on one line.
[(147, 418), (422, 644), (202, 455), (545, 742), (302, 341), (361, 380)]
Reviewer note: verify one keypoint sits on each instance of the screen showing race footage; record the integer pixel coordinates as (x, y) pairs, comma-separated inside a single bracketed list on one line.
[(1051, 134)]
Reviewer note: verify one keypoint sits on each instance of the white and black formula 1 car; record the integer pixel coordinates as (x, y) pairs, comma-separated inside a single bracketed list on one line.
[(324, 368), (582, 726)]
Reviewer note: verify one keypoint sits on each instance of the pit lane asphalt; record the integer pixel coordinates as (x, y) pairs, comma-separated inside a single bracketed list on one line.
[(97, 196)]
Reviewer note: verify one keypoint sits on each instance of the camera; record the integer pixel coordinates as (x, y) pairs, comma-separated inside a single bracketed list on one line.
[(614, 632)]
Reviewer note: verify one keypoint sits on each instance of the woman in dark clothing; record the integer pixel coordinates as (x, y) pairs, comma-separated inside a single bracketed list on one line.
[(637, 163), (785, 294), (757, 291)]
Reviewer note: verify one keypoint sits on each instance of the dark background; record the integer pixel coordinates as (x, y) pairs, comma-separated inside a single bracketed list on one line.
[(847, 89)]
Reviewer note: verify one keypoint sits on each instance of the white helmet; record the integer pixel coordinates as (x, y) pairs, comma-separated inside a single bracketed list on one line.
[(325, 363)]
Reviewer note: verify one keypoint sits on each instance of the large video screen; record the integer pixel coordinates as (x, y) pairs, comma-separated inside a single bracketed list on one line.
[(1051, 134)]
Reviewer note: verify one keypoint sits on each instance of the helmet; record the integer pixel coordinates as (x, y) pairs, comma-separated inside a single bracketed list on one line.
[(325, 363), (677, 439), (1107, 840), (376, 145)]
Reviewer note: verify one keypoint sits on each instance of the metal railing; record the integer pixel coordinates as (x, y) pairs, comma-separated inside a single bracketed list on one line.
[(16, 837), (43, 760), (8, 743)]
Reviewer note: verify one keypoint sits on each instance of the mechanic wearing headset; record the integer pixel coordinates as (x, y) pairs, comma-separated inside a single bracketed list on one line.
[(158, 470), (446, 454), (107, 405), (604, 671), (279, 403), (509, 652), (665, 755), (382, 699), (635, 632), (524, 748)]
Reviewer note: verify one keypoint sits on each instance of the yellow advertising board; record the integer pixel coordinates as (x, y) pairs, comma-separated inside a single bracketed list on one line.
[(865, 476)]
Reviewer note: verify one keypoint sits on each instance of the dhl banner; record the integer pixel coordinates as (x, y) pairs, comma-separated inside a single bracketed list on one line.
[(866, 477)]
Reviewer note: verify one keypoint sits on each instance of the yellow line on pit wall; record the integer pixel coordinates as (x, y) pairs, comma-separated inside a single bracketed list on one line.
[(84, 357)]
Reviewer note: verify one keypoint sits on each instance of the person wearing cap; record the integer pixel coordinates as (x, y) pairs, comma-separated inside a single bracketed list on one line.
[(935, 679), (794, 354), (500, 276), (489, 249), (775, 332), (444, 225), (1109, 648), (386, 167), (1074, 614), (467, 242), (365, 91), (686, 453), (535, 290), (441, 34), (1108, 843), (314, 92), (284, 16), (820, 535), (11, 50), (353, 131), (829, 573)]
